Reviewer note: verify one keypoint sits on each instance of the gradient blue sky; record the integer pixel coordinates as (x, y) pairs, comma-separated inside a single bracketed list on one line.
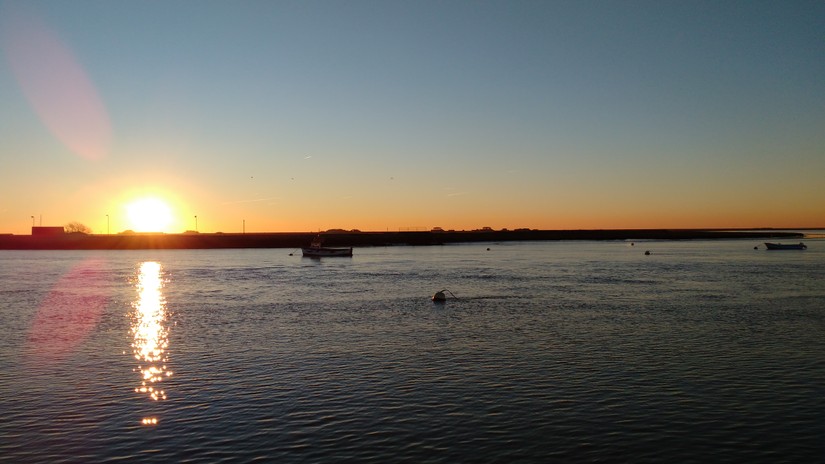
[(376, 115)]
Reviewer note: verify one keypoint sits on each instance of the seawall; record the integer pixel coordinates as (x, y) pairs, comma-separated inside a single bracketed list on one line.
[(363, 239)]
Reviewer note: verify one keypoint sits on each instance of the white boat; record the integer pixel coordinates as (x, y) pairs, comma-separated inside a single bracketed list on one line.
[(785, 246), (317, 250)]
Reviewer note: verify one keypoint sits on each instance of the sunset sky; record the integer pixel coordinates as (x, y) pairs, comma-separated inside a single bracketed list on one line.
[(387, 115)]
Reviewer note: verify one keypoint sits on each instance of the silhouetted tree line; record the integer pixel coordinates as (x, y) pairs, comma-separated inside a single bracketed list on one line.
[(77, 228)]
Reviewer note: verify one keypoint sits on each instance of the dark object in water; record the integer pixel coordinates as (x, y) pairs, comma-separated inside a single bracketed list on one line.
[(789, 246), (317, 250), (440, 297)]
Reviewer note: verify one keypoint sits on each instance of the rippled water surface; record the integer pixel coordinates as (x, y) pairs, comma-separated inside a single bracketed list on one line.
[(703, 351)]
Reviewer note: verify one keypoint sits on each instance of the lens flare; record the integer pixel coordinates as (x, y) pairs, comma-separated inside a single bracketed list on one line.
[(68, 315), (55, 84)]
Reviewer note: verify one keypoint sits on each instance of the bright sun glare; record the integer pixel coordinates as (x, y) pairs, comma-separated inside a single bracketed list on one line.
[(149, 214)]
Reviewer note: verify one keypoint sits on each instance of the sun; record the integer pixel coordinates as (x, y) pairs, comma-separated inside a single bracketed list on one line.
[(149, 214)]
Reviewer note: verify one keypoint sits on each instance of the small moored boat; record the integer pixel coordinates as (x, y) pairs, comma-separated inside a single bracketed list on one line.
[(317, 250), (785, 246)]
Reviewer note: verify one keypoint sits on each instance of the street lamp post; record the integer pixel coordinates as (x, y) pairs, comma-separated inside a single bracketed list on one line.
[(196, 223), (107, 224)]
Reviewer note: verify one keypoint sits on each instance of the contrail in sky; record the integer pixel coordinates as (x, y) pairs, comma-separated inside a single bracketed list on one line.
[(248, 201)]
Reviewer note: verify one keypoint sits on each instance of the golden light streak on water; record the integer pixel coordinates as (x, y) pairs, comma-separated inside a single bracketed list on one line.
[(151, 336)]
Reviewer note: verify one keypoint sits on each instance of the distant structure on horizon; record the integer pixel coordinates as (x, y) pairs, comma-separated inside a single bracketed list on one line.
[(48, 231)]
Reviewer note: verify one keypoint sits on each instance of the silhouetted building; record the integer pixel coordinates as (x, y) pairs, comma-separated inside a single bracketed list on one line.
[(48, 231)]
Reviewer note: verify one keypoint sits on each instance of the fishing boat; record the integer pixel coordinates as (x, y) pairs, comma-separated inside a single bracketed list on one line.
[(317, 250), (785, 246)]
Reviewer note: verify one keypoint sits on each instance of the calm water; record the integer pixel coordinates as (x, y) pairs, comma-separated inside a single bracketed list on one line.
[(704, 351)]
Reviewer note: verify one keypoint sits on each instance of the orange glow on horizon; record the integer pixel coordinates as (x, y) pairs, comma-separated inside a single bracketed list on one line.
[(162, 203)]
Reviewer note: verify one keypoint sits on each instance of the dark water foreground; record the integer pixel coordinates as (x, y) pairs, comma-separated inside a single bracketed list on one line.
[(702, 351), (299, 239)]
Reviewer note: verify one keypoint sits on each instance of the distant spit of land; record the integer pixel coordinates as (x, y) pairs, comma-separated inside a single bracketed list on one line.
[(79, 241)]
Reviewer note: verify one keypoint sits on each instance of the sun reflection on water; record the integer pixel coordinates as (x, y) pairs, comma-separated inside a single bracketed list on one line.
[(151, 337)]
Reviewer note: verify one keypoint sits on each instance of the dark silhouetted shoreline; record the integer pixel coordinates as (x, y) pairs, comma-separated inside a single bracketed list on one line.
[(75, 241)]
